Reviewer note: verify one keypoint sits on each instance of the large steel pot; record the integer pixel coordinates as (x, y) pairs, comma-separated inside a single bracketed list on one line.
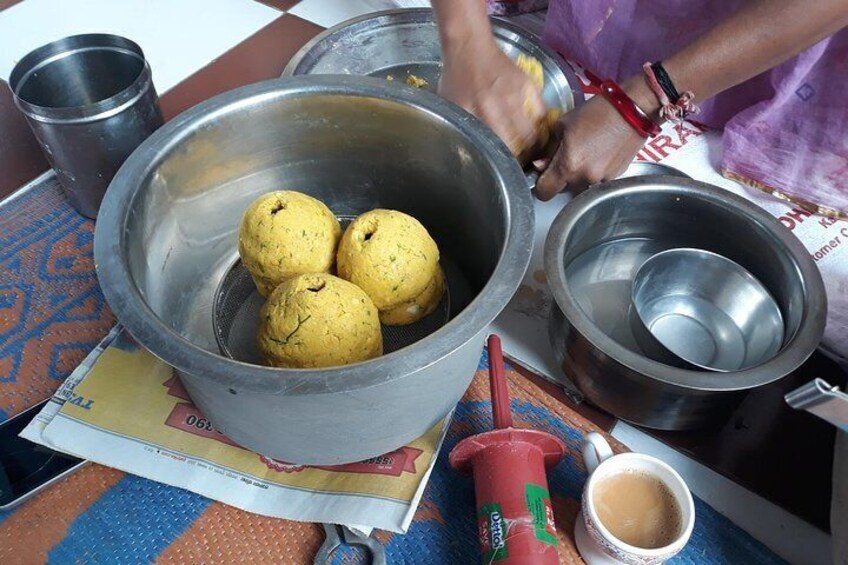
[(167, 232), (630, 219)]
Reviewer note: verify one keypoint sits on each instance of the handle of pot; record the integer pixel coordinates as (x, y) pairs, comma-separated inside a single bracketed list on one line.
[(635, 169), (532, 177), (823, 400), (596, 450)]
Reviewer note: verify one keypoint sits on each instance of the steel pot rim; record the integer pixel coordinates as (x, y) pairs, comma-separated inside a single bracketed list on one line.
[(796, 349), (168, 345), (100, 110), (424, 15)]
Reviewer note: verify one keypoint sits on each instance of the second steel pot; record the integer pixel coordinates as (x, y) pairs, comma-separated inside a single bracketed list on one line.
[(620, 223)]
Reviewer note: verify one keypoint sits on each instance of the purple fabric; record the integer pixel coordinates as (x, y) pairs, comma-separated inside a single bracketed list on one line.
[(786, 128)]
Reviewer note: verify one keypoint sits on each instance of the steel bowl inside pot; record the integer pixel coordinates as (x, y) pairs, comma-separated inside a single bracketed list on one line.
[(704, 310), (599, 241), (167, 233)]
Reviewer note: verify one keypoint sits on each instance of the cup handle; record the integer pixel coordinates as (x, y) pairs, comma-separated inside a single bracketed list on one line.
[(596, 450)]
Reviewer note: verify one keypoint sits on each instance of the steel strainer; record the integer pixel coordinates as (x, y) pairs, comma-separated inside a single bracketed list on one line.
[(236, 315)]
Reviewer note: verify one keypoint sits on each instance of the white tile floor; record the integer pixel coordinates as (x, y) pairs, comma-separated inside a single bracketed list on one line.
[(178, 37), (328, 13)]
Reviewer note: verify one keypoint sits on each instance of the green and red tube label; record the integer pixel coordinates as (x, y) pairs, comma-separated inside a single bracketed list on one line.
[(491, 528), (539, 505)]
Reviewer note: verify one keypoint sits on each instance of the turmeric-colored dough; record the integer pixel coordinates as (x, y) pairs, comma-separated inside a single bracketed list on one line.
[(318, 320), (533, 69), (415, 81), (389, 255), (419, 307), (411, 80), (284, 234)]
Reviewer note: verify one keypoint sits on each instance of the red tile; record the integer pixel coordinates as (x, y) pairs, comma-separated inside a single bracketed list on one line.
[(260, 57), (9, 3)]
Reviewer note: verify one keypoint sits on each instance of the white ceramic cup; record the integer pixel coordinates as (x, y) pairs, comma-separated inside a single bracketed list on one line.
[(595, 543)]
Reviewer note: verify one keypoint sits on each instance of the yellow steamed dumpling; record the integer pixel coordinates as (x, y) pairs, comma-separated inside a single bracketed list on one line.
[(419, 307), (284, 234), (318, 320), (389, 255), (533, 69)]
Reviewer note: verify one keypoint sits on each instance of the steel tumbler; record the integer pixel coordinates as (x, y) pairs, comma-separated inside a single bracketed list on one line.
[(90, 102)]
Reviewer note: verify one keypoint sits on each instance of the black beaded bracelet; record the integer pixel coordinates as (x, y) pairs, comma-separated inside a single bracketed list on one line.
[(665, 81)]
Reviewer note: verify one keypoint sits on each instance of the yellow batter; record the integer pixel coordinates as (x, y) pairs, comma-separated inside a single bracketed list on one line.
[(415, 81)]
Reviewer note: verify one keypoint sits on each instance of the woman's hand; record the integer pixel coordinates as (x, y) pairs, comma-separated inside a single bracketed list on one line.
[(490, 86), (595, 143)]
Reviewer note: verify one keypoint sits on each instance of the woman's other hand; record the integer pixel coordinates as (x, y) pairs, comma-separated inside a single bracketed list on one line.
[(489, 85), (478, 76)]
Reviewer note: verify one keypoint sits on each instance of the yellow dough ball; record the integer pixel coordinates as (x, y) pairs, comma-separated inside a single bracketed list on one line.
[(284, 234), (533, 69), (318, 320), (419, 307), (416, 82), (389, 255)]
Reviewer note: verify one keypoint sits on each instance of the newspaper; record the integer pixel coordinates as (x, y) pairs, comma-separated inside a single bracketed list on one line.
[(124, 408), (690, 148)]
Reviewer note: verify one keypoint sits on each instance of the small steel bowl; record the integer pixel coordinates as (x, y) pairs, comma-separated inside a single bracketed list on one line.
[(705, 309)]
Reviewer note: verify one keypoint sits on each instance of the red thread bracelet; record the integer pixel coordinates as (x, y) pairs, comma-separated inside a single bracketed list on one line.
[(628, 109)]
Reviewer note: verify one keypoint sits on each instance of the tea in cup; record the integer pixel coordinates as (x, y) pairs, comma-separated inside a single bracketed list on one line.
[(636, 509)]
